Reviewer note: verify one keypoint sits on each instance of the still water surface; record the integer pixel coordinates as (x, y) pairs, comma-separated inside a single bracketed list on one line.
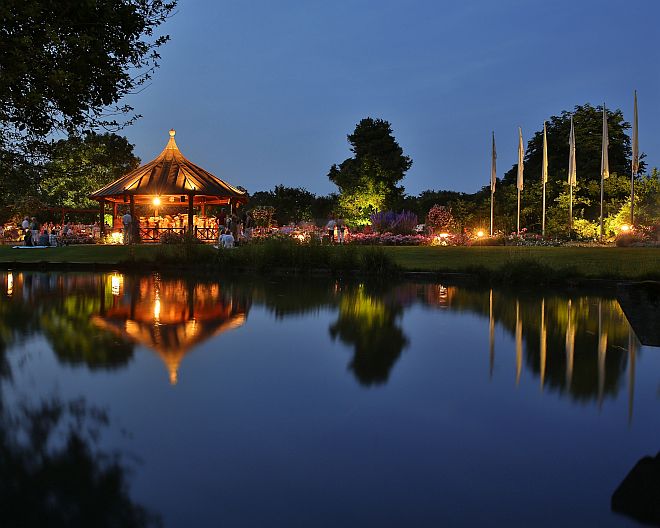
[(317, 403)]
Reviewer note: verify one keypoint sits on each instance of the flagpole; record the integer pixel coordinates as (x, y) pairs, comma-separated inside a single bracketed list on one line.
[(519, 183), (493, 182), (518, 220), (570, 213), (544, 174), (571, 177), (635, 163), (604, 168), (492, 198)]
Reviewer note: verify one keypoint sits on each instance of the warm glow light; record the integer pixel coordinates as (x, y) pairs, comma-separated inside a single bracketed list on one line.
[(156, 201), (117, 238), (480, 234), (157, 310), (444, 235), (116, 282), (625, 228), (10, 283)]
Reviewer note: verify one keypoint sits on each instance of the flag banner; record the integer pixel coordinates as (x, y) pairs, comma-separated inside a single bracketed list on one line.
[(572, 170), (493, 167), (521, 157), (604, 159), (635, 141), (544, 168)]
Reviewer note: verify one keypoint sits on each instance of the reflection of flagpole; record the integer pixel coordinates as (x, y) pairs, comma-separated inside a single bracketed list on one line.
[(543, 343), (518, 343), (602, 350), (491, 335), (570, 348), (632, 352)]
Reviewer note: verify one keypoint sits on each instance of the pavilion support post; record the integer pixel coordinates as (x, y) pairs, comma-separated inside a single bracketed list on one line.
[(102, 217), (134, 221), (204, 208), (190, 214), (114, 214)]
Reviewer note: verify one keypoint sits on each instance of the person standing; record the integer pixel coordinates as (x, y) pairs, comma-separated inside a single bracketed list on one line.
[(330, 227), (34, 227), (127, 222), (340, 230), (234, 226), (249, 225)]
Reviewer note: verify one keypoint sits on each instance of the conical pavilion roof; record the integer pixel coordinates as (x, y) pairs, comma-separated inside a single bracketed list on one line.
[(171, 174)]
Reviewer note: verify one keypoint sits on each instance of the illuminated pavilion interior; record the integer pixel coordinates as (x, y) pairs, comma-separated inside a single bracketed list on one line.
[(169, 180)]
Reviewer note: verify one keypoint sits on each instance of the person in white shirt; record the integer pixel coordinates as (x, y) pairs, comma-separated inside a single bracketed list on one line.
[(227, 239), (26, 223)]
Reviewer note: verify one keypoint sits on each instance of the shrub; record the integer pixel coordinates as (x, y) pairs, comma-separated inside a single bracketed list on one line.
[(488, 241), (585, 230), (263, 215), (440, 219), (401, 223)]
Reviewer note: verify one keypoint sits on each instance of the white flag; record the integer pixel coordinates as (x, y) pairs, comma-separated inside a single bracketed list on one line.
[(521, 156), (544, 168), (572, 169), (493, 168), (604, 160), (635, 141)]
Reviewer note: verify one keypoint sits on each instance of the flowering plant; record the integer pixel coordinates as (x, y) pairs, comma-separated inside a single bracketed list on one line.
[(440, 219)]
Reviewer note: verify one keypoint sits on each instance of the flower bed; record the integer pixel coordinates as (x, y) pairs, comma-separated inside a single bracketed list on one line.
[(389, 239)]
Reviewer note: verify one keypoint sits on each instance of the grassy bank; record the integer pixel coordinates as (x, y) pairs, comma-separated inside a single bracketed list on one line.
[(511, 264)]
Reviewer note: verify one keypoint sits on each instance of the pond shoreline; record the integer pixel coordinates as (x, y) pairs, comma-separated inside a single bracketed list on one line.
[(477, 278)]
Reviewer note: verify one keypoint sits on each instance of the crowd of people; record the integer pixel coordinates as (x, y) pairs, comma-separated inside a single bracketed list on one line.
[(33, 233), (230, 228)]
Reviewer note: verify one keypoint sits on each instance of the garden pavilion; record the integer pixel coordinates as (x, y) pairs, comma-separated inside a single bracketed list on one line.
[(169, 180)]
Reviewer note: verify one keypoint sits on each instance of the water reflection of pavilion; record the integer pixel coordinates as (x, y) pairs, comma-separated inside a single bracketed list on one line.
[(168, 316)]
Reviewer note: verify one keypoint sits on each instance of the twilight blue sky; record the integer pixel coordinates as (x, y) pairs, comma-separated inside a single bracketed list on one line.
[(263, 92)]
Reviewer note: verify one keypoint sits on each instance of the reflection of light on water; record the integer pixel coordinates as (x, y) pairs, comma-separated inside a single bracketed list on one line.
[(116, 282), (157, 310), (10, 283)]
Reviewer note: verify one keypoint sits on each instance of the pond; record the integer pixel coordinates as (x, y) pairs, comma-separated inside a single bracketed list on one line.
[(299, 402)]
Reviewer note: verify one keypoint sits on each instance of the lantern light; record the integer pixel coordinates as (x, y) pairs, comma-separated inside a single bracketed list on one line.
[(480, 233), (625, 228), (156, 201)]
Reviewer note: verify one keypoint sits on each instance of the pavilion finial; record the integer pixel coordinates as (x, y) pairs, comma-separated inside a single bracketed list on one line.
[(172, 132)]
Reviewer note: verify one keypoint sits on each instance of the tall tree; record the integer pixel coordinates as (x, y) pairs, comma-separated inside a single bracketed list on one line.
[(369, 180), (66, 64), (80, 165)]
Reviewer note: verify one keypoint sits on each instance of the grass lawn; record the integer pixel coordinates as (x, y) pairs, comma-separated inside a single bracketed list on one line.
[(605, 262), (593, 262)]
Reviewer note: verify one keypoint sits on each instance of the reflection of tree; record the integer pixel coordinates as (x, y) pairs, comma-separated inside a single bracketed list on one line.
[(76, 340), (52, 473), (369, 324), (60, 306)]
